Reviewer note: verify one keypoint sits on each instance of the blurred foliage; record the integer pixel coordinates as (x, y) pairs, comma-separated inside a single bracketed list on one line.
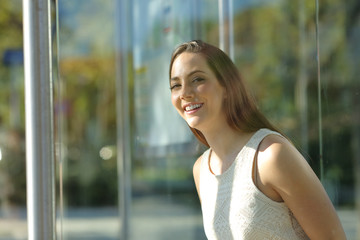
[(89, 94), (12, 135), (10, 25), (11, 38), (89, 118)]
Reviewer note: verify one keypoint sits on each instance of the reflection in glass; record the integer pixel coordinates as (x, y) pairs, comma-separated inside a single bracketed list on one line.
[(275, 49), (86, 121), (163, 148)]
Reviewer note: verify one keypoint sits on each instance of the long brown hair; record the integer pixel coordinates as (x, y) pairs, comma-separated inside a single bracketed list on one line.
[(240, 107)]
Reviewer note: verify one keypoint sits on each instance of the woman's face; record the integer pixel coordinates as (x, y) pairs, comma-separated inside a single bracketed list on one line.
[(196, 93)]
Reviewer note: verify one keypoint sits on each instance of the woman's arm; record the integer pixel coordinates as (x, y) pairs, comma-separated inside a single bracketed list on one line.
[(284, 175)]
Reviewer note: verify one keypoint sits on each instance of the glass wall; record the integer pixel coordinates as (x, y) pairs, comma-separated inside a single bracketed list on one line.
[(123, 156), (160, 196), (12, 124), (85, 116), (316, 105), (164, 201)]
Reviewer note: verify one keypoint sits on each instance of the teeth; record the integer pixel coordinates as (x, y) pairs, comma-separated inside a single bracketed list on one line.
[(191, 107)]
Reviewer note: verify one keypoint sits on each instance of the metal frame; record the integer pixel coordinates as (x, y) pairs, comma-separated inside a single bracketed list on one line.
[(123, 41), (226, 27), (40, 172)]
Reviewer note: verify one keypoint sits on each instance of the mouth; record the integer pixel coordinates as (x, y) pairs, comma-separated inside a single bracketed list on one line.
[(192, 107)]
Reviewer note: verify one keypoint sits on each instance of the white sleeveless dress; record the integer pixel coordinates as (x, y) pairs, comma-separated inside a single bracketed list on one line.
[(234, 208)]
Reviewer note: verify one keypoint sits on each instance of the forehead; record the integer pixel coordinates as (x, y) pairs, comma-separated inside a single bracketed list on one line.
[(187, 62)]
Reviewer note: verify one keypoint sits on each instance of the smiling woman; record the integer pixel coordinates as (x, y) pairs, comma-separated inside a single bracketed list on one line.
[(252, 182), (196, 93)]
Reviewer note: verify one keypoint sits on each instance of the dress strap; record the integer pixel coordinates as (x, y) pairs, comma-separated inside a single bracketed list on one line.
[(252, 148)]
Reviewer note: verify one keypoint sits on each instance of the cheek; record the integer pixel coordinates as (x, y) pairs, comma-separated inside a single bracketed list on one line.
[(202, 90), (175, 100), (208, 90)]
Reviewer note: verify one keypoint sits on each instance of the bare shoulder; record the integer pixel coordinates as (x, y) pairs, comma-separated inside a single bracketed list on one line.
[(277, 153), (281, 165), (273, 145), (278, 163)]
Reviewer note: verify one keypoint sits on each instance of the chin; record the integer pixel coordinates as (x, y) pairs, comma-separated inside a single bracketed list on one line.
[(196, 126), (195, 122), (192, 124)]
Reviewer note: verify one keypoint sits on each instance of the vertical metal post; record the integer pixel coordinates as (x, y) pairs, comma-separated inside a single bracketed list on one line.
[(196, 26), (40, 172), (123, 40), (302, 81), (231, 29), (226, 27), (317, 9), (222, 35)]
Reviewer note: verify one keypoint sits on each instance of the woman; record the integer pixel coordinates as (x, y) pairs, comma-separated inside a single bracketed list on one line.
[(252, 183)]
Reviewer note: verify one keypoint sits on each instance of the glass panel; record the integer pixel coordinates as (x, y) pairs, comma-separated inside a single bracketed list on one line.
[(86, 121), (339, 57), (164, 199), (275, 49), (12, 124), (162, 156)]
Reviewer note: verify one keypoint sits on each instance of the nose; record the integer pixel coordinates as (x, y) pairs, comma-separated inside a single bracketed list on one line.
[(186, 92)]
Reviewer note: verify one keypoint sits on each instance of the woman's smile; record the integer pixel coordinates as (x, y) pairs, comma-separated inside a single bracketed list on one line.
[(192, 107)]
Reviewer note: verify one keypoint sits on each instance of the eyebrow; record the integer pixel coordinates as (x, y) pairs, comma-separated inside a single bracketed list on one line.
[(191, 73)]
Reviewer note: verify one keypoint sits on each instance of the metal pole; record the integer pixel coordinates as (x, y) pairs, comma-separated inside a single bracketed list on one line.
[(222, 37), (226, 27), (231, 30), (319, 91), (40, 172), (123, 76), (302, 80), (196, 27)]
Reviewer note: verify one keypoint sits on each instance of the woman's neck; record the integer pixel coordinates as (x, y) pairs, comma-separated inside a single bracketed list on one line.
[(226, 142)]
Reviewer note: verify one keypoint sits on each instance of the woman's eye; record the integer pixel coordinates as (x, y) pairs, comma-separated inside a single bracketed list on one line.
[(174, 86), (198, 79)]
